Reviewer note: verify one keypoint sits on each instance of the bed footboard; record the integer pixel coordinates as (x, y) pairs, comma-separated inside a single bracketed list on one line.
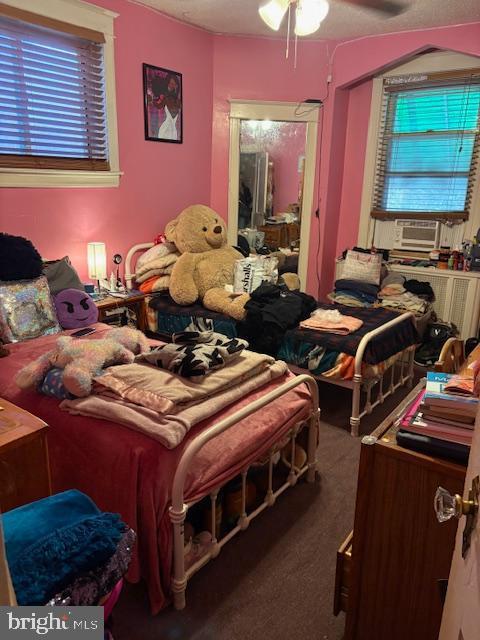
[(404, 361), (178, 509)]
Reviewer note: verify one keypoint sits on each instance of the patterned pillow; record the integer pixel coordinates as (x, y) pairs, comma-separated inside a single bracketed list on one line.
[(26, 310)]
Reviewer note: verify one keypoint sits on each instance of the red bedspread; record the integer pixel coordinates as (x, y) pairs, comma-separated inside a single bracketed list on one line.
[(125, 471)]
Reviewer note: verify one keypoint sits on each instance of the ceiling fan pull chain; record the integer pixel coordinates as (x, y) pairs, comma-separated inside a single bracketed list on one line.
[(295, 57), (288, 32)]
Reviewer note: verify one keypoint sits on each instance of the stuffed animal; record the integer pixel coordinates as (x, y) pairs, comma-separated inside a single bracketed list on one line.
[(75, 309), (82, 360), (206, 263)]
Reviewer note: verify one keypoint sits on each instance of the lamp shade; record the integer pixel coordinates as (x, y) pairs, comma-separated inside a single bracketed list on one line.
[(97, 260), (309, 16), (273, 13)]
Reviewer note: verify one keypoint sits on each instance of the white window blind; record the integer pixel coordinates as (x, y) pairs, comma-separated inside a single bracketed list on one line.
[(52, 97), (427, 154)]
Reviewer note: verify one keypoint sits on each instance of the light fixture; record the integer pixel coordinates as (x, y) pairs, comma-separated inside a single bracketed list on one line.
[(273, 13), (308, 14), (97, 261)]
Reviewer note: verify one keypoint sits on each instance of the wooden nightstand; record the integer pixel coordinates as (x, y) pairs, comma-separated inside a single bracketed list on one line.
[(24, 468), (134, 301)]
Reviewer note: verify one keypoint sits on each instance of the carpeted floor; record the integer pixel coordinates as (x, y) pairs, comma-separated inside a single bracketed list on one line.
[(276, 580)]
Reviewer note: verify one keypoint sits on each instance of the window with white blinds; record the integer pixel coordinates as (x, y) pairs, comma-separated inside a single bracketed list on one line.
[(427, 155), (52, 97)]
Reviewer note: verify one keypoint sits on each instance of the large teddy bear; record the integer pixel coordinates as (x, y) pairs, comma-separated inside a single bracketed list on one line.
[(81, 360), (206, 263)]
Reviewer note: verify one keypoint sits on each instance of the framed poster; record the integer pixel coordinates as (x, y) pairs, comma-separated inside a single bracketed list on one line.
[(163, 104)]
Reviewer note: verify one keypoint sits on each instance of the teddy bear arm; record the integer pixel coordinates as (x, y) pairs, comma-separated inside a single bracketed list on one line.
[(220, 300), (183, 288)]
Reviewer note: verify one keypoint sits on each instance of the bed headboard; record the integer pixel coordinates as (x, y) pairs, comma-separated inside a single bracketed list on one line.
[(129, 272)]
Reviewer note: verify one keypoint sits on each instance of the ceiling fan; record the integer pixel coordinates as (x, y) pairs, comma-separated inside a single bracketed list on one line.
[(310, 13)]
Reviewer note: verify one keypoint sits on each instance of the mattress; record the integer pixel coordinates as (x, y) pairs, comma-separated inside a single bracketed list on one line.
[(124, 471)]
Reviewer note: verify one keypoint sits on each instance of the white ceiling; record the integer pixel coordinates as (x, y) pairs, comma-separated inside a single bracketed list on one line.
[(241, 17)]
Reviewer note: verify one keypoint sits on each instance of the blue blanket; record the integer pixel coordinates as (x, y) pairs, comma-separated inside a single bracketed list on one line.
[(50, 541)]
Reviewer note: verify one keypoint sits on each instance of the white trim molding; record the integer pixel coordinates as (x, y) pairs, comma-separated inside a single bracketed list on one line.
[(423, 63), (89, 16), (284, 112)]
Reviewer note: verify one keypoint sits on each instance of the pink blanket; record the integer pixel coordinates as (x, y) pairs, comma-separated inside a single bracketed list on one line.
[(127, 472)]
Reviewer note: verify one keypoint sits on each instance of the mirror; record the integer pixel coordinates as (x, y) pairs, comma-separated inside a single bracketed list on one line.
[(270, 187)]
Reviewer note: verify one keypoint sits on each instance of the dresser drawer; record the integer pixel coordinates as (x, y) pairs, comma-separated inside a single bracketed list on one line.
[(24, 468), (342, 575)]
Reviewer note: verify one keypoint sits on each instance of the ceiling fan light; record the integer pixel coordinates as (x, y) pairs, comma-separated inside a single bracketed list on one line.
[(309, 16), (273, 13)]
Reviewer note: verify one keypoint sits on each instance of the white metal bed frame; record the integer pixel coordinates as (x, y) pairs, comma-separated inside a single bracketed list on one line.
[(179, 508), (403, 362)]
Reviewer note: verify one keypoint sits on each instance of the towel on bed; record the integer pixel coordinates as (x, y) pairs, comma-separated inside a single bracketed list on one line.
[(332, 321)]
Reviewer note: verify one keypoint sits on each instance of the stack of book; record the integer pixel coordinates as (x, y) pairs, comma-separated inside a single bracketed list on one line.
[(440, 421)]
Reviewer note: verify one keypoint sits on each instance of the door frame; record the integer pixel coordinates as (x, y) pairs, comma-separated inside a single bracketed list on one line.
[(284, 112)]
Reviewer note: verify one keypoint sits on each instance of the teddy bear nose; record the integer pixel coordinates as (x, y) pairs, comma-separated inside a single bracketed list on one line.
[(217, 229)]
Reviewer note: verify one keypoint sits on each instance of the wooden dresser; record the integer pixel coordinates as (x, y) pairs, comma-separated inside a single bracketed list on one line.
[(24, 469), (388, 574)]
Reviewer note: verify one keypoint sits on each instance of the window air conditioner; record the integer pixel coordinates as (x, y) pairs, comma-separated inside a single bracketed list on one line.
[(416, 235)]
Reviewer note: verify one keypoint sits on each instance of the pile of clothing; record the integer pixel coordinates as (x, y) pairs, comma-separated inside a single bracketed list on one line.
[(154, 267), (405, 295), (270, 312), (62, 550), (354, 293)]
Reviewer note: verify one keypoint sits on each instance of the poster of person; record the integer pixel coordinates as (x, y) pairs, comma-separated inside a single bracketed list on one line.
[(162, 93)]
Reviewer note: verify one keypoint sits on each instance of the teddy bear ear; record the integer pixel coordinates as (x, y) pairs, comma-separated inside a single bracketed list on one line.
[(171, 230)]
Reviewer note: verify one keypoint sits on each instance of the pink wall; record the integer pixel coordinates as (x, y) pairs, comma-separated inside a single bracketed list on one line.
[(159, 179), (256, 69), (285, 143)]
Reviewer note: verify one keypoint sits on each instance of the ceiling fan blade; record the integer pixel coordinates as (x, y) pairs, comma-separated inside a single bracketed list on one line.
[(390, 7)]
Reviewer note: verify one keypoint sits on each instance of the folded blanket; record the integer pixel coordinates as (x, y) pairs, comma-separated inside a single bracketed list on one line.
[(169, 429), (157, 251), (342, 326), (347, 300), (166, 392), (50, 541), (407, 301), (155, 284), (393, 289), (345, 284), (156, 267)]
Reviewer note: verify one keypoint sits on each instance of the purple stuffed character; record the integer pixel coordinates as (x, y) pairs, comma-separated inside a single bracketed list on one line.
[(75, 309)]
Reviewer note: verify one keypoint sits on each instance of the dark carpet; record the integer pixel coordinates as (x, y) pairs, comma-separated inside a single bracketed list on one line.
[(276, 580)]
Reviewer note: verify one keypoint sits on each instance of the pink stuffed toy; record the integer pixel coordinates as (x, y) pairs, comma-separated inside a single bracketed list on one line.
[(82, 360)]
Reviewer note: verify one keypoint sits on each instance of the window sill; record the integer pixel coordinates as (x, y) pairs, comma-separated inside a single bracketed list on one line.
[(46, 178)]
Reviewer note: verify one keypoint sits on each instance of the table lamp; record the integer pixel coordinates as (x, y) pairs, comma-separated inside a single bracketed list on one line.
[(97, 261)]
